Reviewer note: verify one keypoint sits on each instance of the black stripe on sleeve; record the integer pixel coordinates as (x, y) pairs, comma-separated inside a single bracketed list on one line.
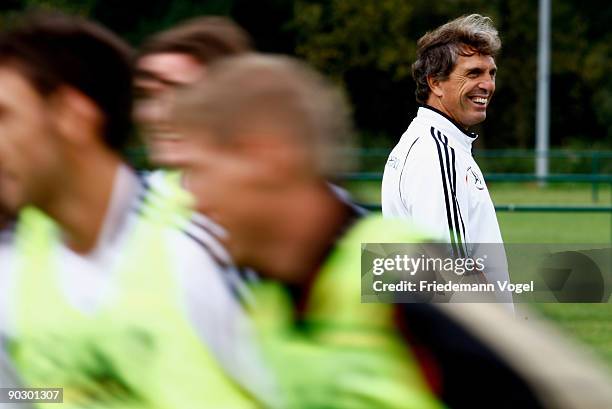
[(457, 202), (453, 193), (204, 227), (143, 196), (231, 277), (445, 188), (206, 247), (454, 232)]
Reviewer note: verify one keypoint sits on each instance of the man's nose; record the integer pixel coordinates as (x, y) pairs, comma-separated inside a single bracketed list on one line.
[(152, 111), (488, 85)]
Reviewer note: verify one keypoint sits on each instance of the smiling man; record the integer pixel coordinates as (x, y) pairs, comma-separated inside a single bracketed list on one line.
[(431, 177), (174, 59)]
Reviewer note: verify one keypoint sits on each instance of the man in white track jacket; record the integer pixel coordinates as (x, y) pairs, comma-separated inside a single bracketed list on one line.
[(431, 177)]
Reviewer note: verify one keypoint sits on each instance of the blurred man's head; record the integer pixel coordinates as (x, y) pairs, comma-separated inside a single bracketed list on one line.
[(176, 58), (65, 91), (455, 68), (264, 133)]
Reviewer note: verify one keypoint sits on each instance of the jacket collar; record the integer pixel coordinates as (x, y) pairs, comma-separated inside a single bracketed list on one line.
[(126, 194), (457, 136)]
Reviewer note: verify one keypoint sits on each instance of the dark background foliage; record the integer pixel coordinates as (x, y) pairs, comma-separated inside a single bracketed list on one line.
[(369, 45)]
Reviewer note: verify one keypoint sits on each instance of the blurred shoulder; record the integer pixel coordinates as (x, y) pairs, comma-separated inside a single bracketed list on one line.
[(204, 234), (193, 234)]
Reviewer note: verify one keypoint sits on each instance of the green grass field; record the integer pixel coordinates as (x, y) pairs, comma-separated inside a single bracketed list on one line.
[(590, 324)]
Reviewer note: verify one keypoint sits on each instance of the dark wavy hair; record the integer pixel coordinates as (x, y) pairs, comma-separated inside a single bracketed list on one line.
[(53, 49), (437, 50)]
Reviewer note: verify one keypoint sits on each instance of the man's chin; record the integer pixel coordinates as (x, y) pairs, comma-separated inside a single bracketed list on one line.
[(9, 211), (477, 118), (167, 158), (11, 201), (167, 153)]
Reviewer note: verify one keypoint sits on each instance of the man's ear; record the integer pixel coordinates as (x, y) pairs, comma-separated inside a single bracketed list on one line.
[(434, 86), (75, 115)]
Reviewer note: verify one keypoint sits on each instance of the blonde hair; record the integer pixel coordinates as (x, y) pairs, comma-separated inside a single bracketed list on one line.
[(437, 50), (263, 92)]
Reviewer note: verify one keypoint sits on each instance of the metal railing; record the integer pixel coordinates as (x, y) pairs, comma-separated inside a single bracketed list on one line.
[(595, 178), (592, 160), (581, 166)]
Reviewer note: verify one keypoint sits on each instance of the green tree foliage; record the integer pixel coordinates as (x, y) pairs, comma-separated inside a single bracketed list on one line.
[(337, 36), (369, 45), (10, 10), (136, 19), (374, 41), (581, 65)]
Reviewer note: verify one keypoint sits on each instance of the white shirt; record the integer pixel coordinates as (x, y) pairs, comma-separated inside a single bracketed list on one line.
[(431, 179), (200, 261)]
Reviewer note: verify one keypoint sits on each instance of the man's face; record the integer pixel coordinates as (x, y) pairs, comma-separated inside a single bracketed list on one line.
[(236, 187), (29, 157), (467, 92), (158, 76)]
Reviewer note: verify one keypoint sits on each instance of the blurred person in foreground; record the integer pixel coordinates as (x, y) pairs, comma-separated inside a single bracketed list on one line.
[(264, 135), (173, 59), (168, 61), (104, 295), (263, 177), (431, 177)]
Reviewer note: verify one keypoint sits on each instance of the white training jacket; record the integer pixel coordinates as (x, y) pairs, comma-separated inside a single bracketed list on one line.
[(432, 179)]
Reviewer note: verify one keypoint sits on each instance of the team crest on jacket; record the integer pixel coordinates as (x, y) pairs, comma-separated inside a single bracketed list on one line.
[(475, 178), (393, 162)]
